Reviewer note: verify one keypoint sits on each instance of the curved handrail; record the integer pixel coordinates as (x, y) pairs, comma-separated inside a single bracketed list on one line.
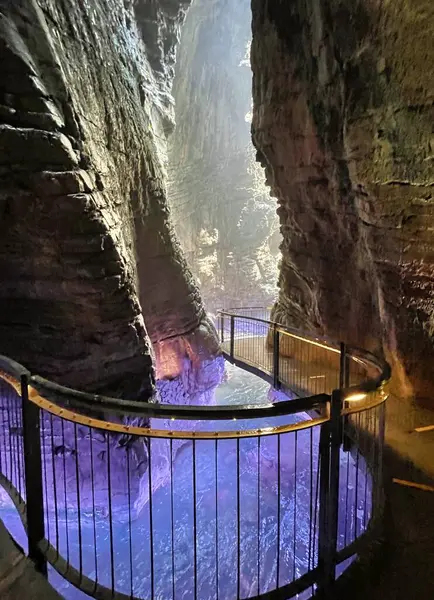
[(71, 405), (12, 367), (292, 330), (354, 353), (82, 400), (109, 426)]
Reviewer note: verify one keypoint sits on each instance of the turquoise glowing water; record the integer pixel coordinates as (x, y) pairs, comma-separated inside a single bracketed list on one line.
[(262, 503)]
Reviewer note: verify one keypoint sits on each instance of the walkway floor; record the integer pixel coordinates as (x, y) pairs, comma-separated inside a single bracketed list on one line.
[(303, 376), (403, 567), (19, 580)]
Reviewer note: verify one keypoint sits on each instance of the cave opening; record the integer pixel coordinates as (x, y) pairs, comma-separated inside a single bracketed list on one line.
[(222, 210)]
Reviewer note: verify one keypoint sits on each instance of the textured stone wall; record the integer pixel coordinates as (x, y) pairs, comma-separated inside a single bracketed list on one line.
[(90, 269), (223, 213), (343, 113)]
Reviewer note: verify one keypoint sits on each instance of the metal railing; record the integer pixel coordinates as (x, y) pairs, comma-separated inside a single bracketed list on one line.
[(203, 502)]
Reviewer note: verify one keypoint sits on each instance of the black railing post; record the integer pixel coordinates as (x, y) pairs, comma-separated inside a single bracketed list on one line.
[(335, 451), (33, 477), (347, 370), (344, 383), (222, 328), (276, 357), (323, 520), (232, 337), (330, 445), (343, 366)]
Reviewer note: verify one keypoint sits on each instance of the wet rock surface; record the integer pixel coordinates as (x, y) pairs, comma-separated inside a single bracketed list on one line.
[(343, 112), (92, 273)]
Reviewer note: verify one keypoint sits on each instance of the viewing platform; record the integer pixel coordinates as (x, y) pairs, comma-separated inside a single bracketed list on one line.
[(207, 502)]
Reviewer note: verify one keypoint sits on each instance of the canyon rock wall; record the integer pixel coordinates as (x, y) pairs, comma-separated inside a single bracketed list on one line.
[(223, 213), (343, 122), (91, 271)]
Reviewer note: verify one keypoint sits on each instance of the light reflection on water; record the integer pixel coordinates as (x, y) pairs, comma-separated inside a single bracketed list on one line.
[(263, 504)]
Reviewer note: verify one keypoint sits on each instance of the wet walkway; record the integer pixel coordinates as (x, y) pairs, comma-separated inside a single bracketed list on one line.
[(401, 566), (18, 578)]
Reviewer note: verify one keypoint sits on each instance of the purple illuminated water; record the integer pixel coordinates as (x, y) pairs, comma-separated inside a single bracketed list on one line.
[(263, 505)]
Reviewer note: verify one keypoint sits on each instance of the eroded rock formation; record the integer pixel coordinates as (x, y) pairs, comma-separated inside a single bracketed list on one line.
[(91, 271), (343, 114), (223, 213)]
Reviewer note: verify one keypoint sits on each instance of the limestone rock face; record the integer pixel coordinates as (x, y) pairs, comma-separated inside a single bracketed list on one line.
[(343, 122), (222, 211), (91, 271)]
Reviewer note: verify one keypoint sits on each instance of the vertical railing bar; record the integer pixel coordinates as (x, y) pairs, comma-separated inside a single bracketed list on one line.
[(232, 340), (33, 477), (276, 357), (278, 511), (342, 365), (194, 520), (18, 437), (12, 439), (151, 520), (356, 500), (294, 550), (53, 456), (77, 482), (45, 480), (65, 493), (324, 480), (3, 437), (346, 499), (5, 442), (216, 522), (8, 416), (373, 459), (130, 538), (238, 523), (381, 433), (365, 498), (16, 445), (310, 499), (23, 482), (259, 513), (335, 446), (92, 479), (370, 473), (23, 467), (297, 343), (109, 489), (316, 515), (375, 483), (347, 370), (172, 516)]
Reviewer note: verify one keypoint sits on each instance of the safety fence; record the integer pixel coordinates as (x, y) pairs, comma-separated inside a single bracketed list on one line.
[(221, 502)]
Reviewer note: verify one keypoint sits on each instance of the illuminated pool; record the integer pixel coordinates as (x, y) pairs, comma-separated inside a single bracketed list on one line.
[(252, 502)]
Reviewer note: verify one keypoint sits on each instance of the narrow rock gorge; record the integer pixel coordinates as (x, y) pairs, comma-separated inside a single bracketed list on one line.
[(343, 94), (92, 274), (94, 281), (222, 210)]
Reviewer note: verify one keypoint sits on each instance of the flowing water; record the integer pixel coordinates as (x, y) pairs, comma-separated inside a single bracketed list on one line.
[(252, 503)]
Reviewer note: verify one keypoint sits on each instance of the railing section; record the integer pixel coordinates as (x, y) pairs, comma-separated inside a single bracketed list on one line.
[(206, 502)]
